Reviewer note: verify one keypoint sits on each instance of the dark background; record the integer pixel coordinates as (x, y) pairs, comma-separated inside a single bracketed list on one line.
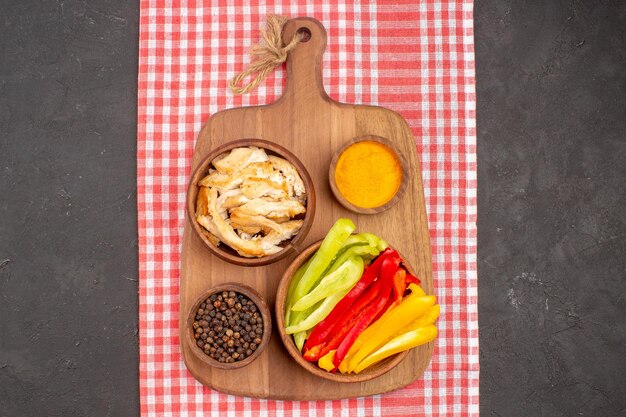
[(552, 181)]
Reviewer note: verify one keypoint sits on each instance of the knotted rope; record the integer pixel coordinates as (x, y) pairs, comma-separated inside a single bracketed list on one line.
[(266, 55)]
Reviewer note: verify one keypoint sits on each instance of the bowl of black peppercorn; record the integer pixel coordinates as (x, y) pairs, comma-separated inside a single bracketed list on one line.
[(229, 326)]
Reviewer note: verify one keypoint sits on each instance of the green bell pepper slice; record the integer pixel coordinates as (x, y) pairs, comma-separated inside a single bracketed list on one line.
[(344, 277), (333, 241), (292, 287), (366, 252), (318, 314), (373, 240)]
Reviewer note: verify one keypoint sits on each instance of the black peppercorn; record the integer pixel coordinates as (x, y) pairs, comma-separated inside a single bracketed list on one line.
[(228, 327)]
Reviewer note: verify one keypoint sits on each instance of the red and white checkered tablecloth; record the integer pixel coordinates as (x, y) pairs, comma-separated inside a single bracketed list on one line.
[(414, 57)]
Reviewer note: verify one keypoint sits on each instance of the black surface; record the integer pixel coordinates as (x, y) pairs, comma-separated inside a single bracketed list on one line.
[(68, 222), (551, 130), (551, 81)]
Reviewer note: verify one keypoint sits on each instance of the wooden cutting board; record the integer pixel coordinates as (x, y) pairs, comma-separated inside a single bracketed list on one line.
[(312, 126)]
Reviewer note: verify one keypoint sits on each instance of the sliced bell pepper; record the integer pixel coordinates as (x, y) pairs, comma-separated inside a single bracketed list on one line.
[(350, 242), (390, 303), (400, 343), (389, 266), (353, 240), (343, 278), (292, 287), (326, 361), (296, 318), (293, 318), (387, 327), (299, 339), (388, 270), (417, 290), (318, 313), (364, 239), (399, 283), (315, 348), (366, 252), (426, 319), (358, 316), (331, 244), (399, 287), (323, 329), (410, 279), (363, 321), (373, 240)]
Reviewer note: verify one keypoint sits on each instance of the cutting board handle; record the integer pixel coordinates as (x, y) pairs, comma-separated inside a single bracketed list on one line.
[(304, 63)]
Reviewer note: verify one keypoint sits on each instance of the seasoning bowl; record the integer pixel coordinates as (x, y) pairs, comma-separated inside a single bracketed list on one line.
[(261, 306), (367, 374), (398, 193), (223, 251)]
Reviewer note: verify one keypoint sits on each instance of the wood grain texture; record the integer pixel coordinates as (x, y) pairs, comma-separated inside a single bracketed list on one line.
[(312, 126)]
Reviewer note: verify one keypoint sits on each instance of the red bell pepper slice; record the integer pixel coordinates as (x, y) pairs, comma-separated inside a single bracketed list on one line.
[(342, 327), (399, 283), (390, 302), (323, 329), (410, 279), (399, 287), (363, 321), (389, 267), (316, 352)]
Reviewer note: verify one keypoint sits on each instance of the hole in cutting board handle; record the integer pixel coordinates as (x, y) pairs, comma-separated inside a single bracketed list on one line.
[(305, 34)]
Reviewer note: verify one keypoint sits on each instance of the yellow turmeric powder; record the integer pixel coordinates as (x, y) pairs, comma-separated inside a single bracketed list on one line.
[(368, 174)]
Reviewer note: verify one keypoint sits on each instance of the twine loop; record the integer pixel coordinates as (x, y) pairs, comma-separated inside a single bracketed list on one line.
[(267, 55)]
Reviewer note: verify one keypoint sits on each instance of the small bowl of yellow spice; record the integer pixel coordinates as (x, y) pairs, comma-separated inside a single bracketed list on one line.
[(368, 174)]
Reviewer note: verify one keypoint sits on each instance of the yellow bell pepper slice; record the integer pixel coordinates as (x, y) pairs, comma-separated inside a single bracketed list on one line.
[(426, 319), (416, 291), (343, 366), (388, 327), (326, 361), (401, 343)]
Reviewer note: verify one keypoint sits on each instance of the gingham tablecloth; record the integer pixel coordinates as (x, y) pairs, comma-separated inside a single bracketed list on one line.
[(415, 57)]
